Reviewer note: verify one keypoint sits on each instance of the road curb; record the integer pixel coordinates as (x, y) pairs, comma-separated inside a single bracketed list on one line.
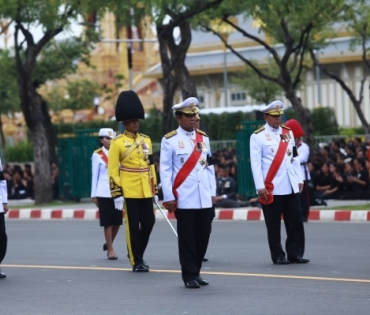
[(241, 214)]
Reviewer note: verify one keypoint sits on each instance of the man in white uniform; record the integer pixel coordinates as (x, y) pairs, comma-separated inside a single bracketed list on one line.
[(189, 189), (278, 179), (3, 211)]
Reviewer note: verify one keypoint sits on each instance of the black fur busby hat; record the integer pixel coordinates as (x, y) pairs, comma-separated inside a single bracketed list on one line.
[(129, 106)]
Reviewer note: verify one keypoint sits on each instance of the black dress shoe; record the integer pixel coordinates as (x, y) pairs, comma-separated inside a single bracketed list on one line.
[(192, 284), (298, 260), (140, 268), (112, 257), (2, 275), (201, 281), (105, 247), (144, 262), (281, 261), (205, 259)]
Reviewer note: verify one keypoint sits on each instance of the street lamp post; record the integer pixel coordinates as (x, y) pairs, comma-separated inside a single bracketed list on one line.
[(317, 68), (226, 83)]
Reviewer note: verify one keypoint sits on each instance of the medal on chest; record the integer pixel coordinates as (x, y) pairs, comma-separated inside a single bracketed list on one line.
[(268, 137), (289, 152), (181, 144), (145, 150), (202, 161)]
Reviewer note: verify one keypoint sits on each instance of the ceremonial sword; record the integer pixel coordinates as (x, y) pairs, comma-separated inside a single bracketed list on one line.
[(160, 209)]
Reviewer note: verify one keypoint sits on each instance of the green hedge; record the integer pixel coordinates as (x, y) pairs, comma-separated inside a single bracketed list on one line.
[(324, 120), (21, 152)]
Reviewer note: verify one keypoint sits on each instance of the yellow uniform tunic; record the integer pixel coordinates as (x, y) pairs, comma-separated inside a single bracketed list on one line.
[(130, 175)]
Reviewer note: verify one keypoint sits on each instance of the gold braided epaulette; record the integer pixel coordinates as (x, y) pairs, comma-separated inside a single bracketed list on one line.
[(259, 130), (286, 127), (117, 137), (201, 132), (144, 135), (170, 134), (98, 150)]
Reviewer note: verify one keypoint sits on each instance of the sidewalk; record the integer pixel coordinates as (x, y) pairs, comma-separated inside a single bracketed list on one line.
[(86, 210)]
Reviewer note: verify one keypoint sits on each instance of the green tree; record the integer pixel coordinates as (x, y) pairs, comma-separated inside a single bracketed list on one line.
[(172, 50), (293, 25), (261, 90), (9, 95), (356, 17), (31, 56), (80, 95)]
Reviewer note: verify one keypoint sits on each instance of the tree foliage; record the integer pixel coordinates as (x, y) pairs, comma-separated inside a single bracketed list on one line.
[(9, 96), (288, 29), (37, 60), (261, 90), (355, 18)]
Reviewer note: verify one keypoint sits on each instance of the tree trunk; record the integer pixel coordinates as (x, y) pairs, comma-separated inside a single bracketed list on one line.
[(170, 83), (50, 132), (361, 116), (178, 54), (31, 104), (305, 118)]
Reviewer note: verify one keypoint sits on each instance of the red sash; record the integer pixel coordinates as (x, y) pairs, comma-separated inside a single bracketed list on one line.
[(103, 156), (187, 167), (275, 165)]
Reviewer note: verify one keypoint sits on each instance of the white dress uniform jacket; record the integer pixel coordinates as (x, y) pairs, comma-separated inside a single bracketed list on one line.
[(263, 147), (303, 156), (200, 185), (100, 182), (3, 191)]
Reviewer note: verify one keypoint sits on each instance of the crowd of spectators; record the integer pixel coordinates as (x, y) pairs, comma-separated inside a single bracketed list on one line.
[(20, 181), (339, 170)]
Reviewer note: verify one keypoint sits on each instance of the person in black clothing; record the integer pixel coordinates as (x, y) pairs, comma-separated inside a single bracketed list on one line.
[(323, 182), (336, 183), (360, 180), (226, 189), (18, 190), (28, 181)]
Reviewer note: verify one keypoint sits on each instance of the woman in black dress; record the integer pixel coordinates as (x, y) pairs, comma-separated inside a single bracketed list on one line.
[(110, 218)]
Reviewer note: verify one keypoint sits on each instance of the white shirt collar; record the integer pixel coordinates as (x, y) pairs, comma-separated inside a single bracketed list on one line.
[(271, 129), (185, 133)]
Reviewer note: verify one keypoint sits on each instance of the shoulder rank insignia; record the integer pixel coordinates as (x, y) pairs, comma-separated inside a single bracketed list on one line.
[(98, 150), (144, 135), (259, 130), (117, 137), (170, 134), (201, 132), (286, 127)]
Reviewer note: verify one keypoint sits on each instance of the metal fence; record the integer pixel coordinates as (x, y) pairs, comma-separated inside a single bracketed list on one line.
[(231, 144)]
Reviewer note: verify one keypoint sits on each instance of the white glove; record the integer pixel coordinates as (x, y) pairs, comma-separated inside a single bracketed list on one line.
[(118, 203), (156, 198)]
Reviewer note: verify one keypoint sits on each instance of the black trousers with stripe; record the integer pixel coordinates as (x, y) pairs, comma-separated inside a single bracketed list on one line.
[(139, 221), (3, 237), (194, 229), (289, 206)]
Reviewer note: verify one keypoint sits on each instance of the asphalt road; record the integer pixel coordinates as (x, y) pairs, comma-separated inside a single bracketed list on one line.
[(58, 267)]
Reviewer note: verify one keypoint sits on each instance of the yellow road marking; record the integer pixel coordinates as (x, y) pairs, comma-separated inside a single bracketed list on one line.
[(216, 273)]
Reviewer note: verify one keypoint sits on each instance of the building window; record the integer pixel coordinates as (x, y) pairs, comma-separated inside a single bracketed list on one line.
[(238, 97), (331, 68), (201, 100)]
